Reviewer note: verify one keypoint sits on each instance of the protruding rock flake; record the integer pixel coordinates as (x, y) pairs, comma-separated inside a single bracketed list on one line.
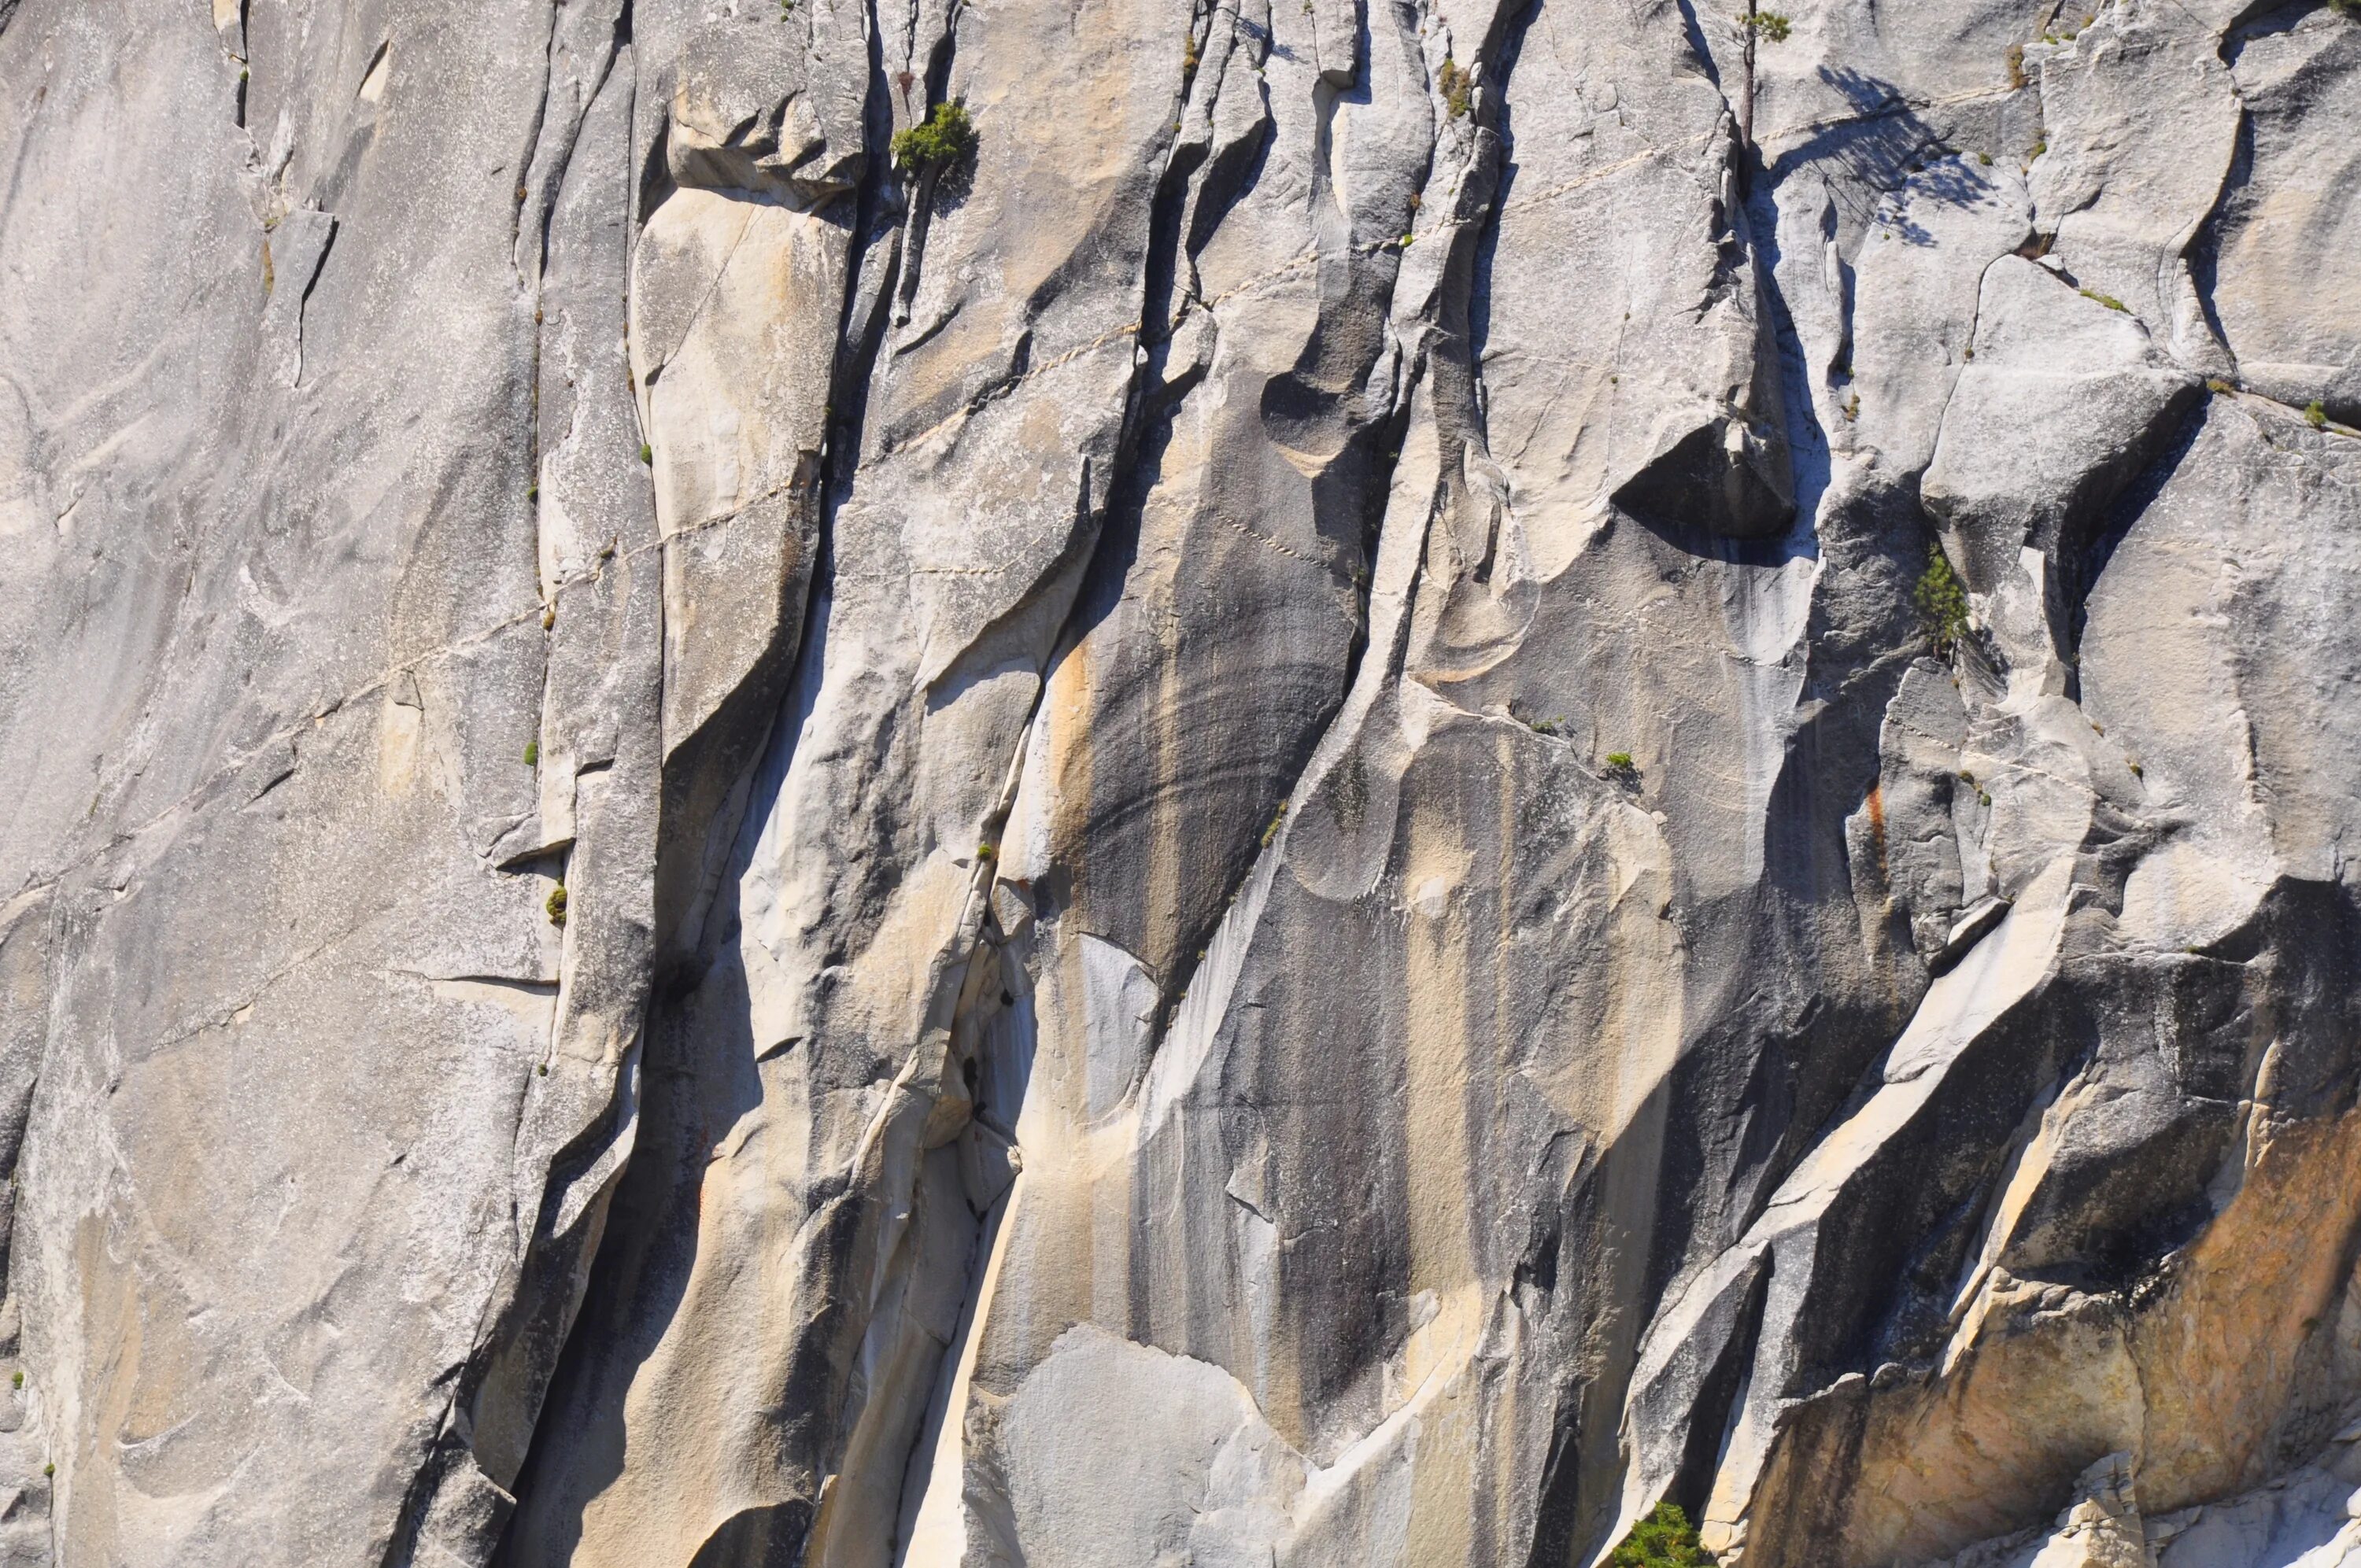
[(1179, 783)]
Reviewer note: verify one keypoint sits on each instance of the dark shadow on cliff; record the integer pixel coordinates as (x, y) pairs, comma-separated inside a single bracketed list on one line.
[(1879, 145)]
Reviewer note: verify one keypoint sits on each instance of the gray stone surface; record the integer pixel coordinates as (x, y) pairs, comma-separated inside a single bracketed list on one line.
[(1233, 835)]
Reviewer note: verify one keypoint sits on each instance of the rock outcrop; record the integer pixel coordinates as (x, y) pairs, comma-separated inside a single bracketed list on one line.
[(1413, 772)]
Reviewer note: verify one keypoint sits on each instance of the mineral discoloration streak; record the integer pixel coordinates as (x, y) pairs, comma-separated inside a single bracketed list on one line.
[(1422, 770)]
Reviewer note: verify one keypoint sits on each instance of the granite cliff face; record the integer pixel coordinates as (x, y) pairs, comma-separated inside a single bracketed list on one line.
[(1421, 769)]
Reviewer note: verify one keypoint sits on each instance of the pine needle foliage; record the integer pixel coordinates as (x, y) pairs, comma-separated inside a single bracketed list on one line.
[(1665, 1539), (1942, 604), (943, 139)]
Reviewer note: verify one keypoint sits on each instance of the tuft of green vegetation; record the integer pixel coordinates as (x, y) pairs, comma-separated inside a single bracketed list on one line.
[(532, 490), (1458, 88), (49, 1470), (2015, 65), (1620, 764), (1772, 27), (985, 852), (16, 1380), (1942, 604), (2315, 415), (2215, 384), (944, 139), (647, 452), (2348, 9), (1984, 159), (1277, 819), (1665, 1539), (1543, 727), (556, 905), (533, 753), (2107, 300)]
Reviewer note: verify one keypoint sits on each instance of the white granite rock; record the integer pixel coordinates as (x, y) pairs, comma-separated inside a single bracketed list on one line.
[(1240, 830)]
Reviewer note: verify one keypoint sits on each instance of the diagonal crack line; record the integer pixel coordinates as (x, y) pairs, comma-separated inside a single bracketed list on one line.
[(1000, 390)]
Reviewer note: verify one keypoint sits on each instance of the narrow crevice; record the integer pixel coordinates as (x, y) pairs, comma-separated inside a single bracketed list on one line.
[(2082, 562), (2204, 252), (872, 211), (532, 167), (1809, 458), (919, 209), (1488, 234)]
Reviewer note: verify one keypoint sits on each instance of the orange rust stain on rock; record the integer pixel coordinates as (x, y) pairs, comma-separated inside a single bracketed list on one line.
[(1876, 804)]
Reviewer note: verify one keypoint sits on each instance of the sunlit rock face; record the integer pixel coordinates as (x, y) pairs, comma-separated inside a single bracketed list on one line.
[(1413, 772)]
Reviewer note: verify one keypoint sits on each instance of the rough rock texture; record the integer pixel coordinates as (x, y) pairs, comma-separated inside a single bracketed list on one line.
[(1237, 834)]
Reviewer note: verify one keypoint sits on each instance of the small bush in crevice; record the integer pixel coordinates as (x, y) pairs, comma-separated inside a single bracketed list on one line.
[(2315, 414), (1458, 89), (1942, 604), (1665, 1539), (944, 139), (2107, 300), (1621, 769), (1772, 27), (533, 753), (555, 907)]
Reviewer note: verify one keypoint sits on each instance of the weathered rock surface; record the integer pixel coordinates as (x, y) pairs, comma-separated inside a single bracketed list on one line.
[(1242, 833)]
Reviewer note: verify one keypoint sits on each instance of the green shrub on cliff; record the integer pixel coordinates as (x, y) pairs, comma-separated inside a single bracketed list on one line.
[(1943, 604), (942, 140), (1665, 1539)]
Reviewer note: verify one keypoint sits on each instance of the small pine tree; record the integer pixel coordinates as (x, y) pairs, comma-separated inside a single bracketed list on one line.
[(1772, 27), (1942, 604), (942, 140), (1665, 1539)]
